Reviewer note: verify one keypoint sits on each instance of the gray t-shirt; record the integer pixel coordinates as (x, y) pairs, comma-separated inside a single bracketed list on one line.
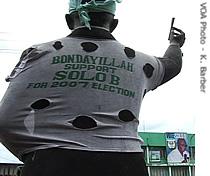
[(77, 93)]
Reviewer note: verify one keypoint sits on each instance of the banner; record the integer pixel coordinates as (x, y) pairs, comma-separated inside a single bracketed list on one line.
[(177, 148)]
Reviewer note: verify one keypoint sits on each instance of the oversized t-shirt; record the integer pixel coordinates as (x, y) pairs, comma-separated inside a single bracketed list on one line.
[(77, 93)]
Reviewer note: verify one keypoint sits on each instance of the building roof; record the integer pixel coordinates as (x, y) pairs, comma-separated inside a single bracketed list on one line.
[(159, 139), (6, 157)]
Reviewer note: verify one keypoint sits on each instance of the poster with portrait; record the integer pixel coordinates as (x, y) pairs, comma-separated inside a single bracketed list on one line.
[(177, 148)]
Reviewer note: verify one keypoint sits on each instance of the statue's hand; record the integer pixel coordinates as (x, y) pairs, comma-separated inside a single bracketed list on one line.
[(177, 36)]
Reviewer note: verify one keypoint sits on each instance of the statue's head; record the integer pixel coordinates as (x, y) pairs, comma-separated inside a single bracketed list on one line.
[(92, 13)]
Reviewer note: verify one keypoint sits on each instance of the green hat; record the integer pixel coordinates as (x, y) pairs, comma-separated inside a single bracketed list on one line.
[(83, 7)]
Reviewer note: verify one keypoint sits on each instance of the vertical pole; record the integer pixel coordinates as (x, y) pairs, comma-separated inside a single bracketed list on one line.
[(147, 154), (148, 159), (190, 171), (170, 173), (149, 170)]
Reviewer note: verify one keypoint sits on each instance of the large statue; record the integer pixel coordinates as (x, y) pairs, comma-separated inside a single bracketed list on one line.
[(72, 105)]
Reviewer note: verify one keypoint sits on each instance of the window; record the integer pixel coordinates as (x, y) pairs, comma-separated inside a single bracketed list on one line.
[(157, 154)]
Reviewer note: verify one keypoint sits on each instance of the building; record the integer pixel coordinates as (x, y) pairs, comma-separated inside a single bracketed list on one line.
[(7, 169), (9, 164), (157, 147)]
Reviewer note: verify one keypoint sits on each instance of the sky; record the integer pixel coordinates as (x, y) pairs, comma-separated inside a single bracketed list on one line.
[(143, 26)]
